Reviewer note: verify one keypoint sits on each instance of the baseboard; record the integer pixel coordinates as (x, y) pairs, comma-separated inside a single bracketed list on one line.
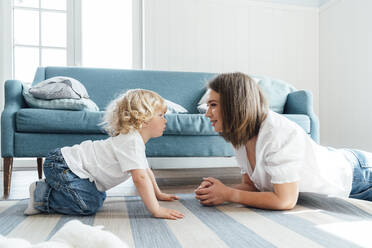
[(155, 163), (22, 163), (191, 162)]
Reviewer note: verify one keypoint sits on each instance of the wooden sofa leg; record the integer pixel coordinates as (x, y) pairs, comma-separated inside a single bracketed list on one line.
[(8, 167), (40, 167)]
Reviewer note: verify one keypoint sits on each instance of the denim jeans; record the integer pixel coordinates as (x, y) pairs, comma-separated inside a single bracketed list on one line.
[(362, 173), (64, 192)]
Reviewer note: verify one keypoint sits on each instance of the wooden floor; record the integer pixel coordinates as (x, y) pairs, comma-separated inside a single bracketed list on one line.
[(170, 181)]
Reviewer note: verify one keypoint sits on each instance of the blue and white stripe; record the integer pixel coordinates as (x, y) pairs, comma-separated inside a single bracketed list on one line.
[(316, 221)]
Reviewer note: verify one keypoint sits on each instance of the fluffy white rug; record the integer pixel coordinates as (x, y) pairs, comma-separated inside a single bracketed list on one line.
[(73, 234)]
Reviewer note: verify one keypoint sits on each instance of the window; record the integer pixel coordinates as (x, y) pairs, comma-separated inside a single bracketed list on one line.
[(39, 36), (91, 33), (106, 33)]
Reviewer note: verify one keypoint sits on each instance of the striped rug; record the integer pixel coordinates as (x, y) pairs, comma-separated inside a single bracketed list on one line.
[(316, 221)]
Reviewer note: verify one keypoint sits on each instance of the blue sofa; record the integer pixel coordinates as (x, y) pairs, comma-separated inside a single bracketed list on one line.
[(31, 132)]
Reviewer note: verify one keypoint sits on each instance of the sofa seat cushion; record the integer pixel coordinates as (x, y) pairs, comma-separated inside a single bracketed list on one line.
[(62, 121), (188, 124), (83, 122), (165, 146), (34, 120)]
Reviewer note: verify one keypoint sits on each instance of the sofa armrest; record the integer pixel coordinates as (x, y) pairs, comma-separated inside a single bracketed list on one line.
[(13, 102), (301, 102)]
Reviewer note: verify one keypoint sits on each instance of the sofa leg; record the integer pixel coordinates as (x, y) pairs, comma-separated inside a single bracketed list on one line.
[(40, 167), (8, 167)]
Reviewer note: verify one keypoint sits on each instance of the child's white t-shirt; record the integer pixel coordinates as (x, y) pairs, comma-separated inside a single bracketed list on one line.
[(107, 162), (285, 154)]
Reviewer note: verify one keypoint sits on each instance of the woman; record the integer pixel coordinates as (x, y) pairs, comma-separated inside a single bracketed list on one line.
[(277, 158)]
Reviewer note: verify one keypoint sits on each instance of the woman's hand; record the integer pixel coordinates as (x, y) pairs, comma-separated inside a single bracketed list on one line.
[(213, 192), (166, 213), (166, 197), (204, 184)]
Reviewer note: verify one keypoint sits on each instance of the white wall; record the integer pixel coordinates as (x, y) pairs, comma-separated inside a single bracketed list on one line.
[(346, 74), (5, 51), (5, 47), (258, 38)]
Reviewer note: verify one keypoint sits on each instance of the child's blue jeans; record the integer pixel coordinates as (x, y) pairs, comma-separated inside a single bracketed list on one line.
[(362, 175), (64, 192)]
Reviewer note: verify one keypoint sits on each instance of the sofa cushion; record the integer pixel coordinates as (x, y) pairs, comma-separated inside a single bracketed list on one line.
[(58, 121), (59, 88), (174, 108), (165, 146), (63, 121), (70, 104), (188, 124), (275, 91)]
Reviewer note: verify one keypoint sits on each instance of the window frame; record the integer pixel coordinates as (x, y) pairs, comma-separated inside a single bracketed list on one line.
[(74, 33), (39, 46), (74, 49), (137, 33)]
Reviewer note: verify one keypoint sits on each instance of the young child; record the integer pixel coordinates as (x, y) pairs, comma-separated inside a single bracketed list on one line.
[(78, 176)]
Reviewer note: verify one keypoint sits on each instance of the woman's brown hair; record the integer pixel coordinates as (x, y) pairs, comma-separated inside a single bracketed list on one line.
[(242, 104)]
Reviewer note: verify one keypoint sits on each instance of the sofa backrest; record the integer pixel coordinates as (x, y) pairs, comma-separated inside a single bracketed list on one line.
[(184, 88), (103, 85)]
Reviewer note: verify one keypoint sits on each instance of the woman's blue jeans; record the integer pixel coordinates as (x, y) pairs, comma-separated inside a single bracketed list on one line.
[(362, 175), (64, 192)]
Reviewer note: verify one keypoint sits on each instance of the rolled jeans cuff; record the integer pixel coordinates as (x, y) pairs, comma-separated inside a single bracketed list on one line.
[(41, 196)]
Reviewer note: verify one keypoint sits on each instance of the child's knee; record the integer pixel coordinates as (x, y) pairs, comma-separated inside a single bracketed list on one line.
[(91, 206)]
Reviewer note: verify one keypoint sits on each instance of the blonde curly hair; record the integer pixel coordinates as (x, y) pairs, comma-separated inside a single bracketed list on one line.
[(130, 110)]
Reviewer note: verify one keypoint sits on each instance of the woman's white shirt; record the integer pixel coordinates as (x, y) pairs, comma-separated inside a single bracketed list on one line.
[(285, 154), (107, 162)]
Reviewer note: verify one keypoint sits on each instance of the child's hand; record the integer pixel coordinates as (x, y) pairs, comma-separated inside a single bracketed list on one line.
[(166, 197), (166, 213)]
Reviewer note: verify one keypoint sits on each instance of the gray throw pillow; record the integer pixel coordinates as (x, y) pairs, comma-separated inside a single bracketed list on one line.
[(59, 88), (82, 104)]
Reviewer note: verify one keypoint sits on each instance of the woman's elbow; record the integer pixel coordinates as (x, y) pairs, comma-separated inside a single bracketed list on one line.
[(286, 204)]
